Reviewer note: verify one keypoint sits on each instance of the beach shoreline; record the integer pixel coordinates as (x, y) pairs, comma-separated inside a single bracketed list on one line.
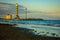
[(7, 32)]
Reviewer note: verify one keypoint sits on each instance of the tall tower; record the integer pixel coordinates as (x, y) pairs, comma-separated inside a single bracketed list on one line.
[(16, 9), (17, 16)]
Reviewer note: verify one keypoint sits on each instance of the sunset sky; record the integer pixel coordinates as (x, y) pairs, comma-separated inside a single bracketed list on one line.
[(46, 9)]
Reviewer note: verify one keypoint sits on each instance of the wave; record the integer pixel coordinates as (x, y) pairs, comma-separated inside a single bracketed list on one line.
[(56, 25)]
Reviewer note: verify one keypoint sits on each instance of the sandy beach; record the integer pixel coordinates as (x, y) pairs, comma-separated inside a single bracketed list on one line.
[(7, 32)]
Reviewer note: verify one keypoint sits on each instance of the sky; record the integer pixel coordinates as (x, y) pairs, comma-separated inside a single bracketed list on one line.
[(46, 9)]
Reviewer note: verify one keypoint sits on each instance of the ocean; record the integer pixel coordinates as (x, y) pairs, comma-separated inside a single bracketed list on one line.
[(48, 28)]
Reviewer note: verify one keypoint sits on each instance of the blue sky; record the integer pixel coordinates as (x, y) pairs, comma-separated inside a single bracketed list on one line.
[(50, 8)]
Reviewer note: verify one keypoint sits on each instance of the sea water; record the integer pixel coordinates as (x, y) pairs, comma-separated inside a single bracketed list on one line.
[(49, 28)]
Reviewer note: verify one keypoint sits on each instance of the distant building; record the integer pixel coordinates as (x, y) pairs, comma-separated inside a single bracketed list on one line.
[(8, 17)]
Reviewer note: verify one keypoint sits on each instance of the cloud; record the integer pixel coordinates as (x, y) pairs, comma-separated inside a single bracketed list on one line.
[(11, 4), (43, 15), (5, 8), (9, 8), (6, 3)]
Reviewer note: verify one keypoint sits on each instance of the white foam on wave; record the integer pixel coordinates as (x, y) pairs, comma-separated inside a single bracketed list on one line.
[(42, 29)]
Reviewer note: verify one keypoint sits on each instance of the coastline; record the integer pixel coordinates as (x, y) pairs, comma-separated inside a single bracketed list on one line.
[(24, 19), (7, 32)]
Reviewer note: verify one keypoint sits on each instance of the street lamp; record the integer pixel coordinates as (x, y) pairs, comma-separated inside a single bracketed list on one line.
[(26, 13)]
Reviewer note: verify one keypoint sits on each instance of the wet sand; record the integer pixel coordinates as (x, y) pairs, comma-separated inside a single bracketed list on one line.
[(7, 32)]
